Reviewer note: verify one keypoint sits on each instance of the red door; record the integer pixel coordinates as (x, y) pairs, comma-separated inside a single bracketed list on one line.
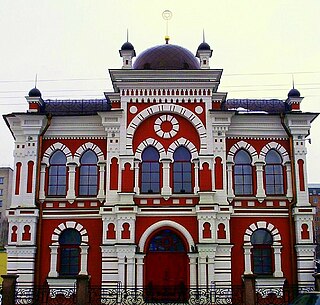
[(167, 265)]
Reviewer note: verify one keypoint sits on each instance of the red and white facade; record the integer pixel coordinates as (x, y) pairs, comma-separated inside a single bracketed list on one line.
[(190, 219)]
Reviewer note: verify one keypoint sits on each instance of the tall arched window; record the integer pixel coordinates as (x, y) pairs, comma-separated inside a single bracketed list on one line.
[(150, 171), (69, 241), (274, 173), (182, 177), (88, 183), (242, 173), (261, 241), (57, 174)]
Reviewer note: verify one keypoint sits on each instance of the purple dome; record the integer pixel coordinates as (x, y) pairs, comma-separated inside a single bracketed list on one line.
[(127, 46), (35, 92), (166, 57), (294, 93)]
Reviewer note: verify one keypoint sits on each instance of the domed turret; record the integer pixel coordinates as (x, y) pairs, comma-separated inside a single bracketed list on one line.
[(204, 53), (127, 52), (35, 92), (166, 57)]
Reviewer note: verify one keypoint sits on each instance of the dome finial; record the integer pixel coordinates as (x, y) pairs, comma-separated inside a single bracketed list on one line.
[(36, 80), (292, 81), (204, 39), (127, 35), (167, 15)]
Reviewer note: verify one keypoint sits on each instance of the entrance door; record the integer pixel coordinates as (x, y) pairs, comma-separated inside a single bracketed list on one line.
[(167, 266)]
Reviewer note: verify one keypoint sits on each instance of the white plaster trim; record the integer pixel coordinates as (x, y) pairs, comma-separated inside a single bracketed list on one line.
[(182, 142), (73, 225), (86, 146), (277, 147), (242, 145), (165, 223), (170, 108), (150, 142), (52, 149)]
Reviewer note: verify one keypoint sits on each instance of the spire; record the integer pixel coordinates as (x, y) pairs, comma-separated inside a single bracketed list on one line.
[(203, 37), (167, 15), (127, 35), (36, 80), (292, 81)]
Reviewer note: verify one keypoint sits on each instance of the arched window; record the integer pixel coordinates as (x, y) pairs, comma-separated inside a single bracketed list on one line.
[(57, 174), (69, 241), (150, 171), (242, 173), (261, 241), (274, 173), (182, 178), (88, 185)]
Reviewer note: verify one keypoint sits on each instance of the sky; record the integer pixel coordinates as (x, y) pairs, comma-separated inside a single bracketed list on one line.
[(71, 44)]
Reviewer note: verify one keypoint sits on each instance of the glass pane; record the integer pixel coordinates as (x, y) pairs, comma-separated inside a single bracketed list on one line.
[(181, 154), (155, 177), (242, 157), (84, 170), (154, 167), (150, 154)]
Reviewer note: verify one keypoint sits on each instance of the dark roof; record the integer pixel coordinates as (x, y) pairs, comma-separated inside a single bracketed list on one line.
[(75, 107), (166, 57), (250, 105), (294, 93), (127, 46), (204, 46), (35, 92)]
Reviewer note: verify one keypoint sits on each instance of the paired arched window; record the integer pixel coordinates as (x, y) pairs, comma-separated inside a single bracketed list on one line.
[(150, 171), (243, 173), (261, 241), (69, 241), (182, 171), (57, 174), (88, 181), (274, 173)]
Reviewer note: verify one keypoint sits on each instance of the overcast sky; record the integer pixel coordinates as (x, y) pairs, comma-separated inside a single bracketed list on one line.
[(71, 44)]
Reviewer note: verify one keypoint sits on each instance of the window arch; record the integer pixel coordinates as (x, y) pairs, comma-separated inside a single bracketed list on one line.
[(57, 174), (182, 171), (274, 173), (261, 241), (242, 173), (150, 171), (69, 241), (88, 182)]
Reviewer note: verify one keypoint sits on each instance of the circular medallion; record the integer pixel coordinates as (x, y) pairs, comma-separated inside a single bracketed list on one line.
[(166, 126), (198, 109), (133, 109)]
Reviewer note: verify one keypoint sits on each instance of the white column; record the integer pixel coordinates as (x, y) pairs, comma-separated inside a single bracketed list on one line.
[(289, 181), (101, 194), (230, 193), (121, 269), (247, 259), (277, 261), (53, 261), (42, 194), (131, 271), (71, 194), (140, 258), (261, 195), (193, 268), (166, 189), (196, 175), (84, 259), (202, 270), (136, 176)]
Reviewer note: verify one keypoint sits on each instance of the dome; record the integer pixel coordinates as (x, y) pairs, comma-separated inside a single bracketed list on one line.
[(127, 46), (166, 57), (203, 46), (35, 92), (294, 93)]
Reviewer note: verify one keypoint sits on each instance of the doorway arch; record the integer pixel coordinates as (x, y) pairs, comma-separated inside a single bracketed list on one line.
[(166, 275)]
